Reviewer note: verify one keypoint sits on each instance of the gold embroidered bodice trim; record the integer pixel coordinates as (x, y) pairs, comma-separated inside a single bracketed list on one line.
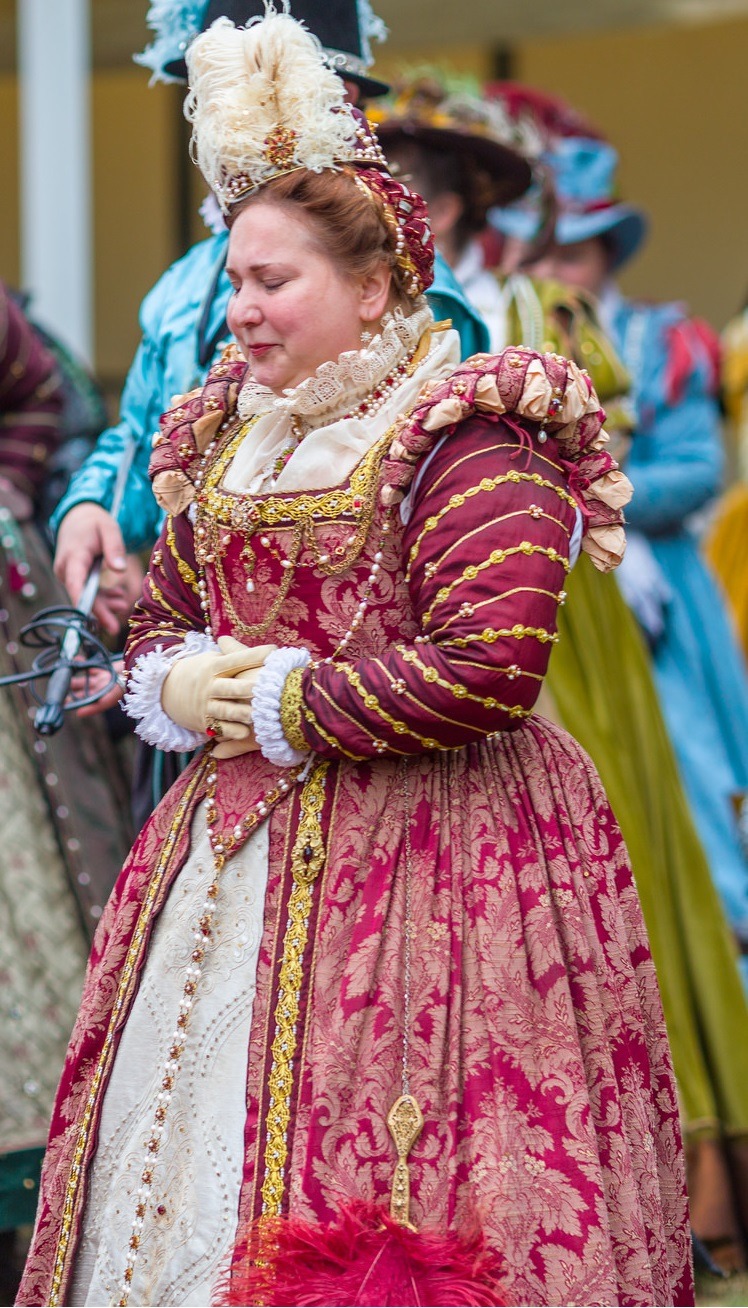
[(219, 510), (233, 509)]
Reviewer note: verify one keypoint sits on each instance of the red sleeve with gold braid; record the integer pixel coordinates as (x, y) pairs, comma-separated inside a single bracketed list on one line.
[(487, 550), (169, 605)]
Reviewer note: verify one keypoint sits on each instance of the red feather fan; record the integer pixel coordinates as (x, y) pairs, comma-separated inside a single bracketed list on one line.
[(362, 1258)]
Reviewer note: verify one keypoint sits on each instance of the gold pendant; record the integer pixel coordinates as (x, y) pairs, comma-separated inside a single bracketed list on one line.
[(405, 1122)]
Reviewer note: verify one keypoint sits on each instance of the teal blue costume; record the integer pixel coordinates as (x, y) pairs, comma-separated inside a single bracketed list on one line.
[(183, 319)]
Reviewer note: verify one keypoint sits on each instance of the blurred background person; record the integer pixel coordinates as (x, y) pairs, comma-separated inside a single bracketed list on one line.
[(725, 538), (676, 463), (183, 319), (61, 799)]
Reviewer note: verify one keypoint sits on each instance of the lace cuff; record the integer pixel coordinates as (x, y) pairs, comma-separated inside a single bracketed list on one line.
[(143, 698), (269, 718)]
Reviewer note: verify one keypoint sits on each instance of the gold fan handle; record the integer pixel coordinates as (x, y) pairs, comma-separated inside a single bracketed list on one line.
[(405, 1122)]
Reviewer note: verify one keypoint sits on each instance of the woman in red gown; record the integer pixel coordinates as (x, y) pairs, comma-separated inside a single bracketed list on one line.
[(371, 1015)]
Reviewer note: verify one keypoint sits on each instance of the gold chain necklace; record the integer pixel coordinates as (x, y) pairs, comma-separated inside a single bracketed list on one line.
[(211, 537)]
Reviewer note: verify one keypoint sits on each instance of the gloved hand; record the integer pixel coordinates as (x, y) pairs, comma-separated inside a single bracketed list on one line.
[(230, 707), (193, 681)]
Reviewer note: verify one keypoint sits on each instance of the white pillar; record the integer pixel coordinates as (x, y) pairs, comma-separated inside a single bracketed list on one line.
[(56, 246)]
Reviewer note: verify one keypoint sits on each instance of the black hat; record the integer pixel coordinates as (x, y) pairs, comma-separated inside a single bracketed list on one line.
[(339, 26)]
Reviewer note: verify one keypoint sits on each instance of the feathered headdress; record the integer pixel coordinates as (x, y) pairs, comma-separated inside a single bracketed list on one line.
[(262, 102)]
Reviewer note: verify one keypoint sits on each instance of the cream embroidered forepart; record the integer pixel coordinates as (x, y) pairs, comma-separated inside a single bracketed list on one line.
[(197, 1180)]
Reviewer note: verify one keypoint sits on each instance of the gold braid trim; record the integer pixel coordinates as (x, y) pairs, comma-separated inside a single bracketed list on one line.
[(276, 510), (469, 609), (159, 597), (341, 713), (128, 971), (218, 510), (486, 484), (291, 704), (432, 677), (307, 861), (152, 634), (492, 449), (488, 524), (372, 703), (490, 635), (401, 728), (183, 568), (495, 558)]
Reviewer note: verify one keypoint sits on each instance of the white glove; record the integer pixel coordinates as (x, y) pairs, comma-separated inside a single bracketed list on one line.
[(230, 703), (193, 682)]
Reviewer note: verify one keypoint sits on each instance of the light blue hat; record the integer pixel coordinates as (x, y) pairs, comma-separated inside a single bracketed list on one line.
[(583, 172)]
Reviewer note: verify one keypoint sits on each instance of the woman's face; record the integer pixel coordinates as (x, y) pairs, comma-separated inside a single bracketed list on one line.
[(291, 309)]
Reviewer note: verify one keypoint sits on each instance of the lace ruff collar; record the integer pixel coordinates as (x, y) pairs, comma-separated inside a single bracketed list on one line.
[(340, 385)]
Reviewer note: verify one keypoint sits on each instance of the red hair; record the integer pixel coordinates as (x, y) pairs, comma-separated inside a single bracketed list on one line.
[(348, 225)]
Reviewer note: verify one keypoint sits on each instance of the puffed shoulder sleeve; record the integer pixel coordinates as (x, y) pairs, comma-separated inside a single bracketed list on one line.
[(487, 548)]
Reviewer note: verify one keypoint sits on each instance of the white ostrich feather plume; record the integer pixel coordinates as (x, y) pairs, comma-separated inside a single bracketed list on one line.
[(248, 83)]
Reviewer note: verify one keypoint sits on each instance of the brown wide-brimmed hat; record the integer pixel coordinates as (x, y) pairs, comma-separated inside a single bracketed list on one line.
[(422, 109)]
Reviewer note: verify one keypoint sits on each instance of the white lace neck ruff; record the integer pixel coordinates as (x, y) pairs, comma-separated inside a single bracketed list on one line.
[(339, 386), (337, 438)]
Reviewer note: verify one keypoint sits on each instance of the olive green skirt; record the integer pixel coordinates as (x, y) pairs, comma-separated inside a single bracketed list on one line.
[(601, 686)]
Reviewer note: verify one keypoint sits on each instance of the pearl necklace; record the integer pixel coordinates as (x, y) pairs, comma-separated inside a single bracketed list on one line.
[(371, 404)]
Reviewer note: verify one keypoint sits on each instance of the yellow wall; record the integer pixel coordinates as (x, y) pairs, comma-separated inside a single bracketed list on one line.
[(135, 227), (675, 101), (9, 215), (133, 205), (459, 58)]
